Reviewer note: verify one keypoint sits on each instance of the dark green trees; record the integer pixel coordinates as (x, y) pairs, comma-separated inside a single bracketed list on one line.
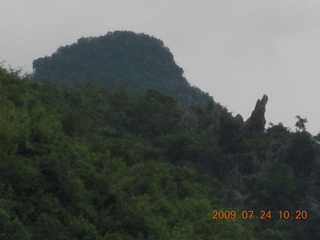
[(275, 189), (87, 163), (120, 59), (301, 153), (231, 135)]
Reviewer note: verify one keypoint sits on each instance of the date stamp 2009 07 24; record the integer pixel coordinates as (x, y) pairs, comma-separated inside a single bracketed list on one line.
[(249, 214)]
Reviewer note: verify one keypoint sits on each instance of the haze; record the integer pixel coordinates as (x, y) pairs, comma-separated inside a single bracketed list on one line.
[(234, 50)]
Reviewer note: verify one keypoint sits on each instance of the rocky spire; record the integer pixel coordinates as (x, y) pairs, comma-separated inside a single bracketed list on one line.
[(256, 122)]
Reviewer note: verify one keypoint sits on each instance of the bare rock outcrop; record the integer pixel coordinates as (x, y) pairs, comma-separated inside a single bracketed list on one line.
[(255, 124), (213, 128), (190, 120), (239, 118)]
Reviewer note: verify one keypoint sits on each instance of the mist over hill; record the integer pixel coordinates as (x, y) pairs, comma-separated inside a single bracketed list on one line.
[(137, 62)]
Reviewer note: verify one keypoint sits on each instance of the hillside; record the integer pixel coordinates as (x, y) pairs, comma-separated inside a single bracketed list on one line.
[(84, 162), (120, 59), (95, 145), (87, 163)]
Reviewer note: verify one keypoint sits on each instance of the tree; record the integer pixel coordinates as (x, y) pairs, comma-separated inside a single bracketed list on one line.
[(11, 228), (275, 189), (300, 124), (301, 153)]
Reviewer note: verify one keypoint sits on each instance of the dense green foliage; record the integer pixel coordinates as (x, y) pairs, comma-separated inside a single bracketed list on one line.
[(120, 59), (85, 161)]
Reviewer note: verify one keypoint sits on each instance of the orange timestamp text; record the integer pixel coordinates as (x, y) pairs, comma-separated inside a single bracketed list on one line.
[(249, 214)]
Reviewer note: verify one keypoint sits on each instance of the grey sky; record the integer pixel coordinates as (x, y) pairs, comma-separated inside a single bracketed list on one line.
[(234, 50)]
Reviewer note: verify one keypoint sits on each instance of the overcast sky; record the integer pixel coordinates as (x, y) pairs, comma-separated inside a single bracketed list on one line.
[(234, 50)]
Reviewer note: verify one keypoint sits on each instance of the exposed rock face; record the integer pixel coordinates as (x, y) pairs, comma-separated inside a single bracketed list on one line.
[(213, 127), (256, 122), (277, 151), (192, 119), (239, 118), (188, 119), (197, 109)]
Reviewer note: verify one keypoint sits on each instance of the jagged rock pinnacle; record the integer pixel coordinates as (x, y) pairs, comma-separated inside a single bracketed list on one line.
[(256, 122)]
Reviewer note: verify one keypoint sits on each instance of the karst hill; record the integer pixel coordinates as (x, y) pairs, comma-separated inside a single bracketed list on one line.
[(92, 146), (120, 59)]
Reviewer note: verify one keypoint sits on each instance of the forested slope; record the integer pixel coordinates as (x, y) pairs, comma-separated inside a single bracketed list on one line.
[(120, 59), (85, 162), (107, 140)]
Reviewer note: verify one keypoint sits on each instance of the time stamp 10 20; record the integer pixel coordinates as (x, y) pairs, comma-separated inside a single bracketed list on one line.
[(248, 214)]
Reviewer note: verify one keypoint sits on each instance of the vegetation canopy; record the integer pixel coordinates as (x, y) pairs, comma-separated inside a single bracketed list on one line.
[(120, 59), (82, 159)]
